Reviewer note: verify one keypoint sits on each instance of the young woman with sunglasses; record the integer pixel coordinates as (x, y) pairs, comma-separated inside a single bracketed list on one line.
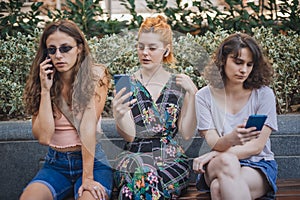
[(154, 165), (65, 93)]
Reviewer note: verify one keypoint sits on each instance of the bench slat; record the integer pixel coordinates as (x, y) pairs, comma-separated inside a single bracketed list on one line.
[(288, 189)]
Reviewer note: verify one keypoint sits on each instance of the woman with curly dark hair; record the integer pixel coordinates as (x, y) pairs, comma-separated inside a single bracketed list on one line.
[(65, 93), (241, 164)]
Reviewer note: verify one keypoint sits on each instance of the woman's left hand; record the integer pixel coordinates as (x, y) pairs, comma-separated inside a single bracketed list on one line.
[(186, 83), (94, 187), (201, 161)]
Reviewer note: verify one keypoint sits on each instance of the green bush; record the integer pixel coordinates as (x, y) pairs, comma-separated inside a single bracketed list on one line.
[(118, 53), (13, 20), (192, 53), (197, 18), (16, 55)]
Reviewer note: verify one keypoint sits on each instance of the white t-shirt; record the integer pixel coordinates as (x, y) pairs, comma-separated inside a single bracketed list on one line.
[(210, 116)]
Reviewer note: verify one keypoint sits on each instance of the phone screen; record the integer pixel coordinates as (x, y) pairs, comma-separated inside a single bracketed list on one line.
[(121, 81), (256, 121)]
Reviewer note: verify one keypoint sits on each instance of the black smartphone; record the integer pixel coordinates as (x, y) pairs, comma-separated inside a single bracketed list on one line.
[(49, 68), (121, 81), (256, 121)]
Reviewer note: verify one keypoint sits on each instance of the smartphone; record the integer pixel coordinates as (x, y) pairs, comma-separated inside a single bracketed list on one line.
[(121, 81), (49, 68), (256, 121)]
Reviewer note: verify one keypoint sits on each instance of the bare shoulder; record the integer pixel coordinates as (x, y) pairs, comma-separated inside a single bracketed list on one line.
[(100, 70), (101, 75)]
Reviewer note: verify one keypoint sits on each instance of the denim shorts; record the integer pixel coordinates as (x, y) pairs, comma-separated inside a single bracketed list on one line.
[(268, 167), (62, 174)]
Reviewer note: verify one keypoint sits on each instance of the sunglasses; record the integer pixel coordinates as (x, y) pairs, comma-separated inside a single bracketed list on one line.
[(62, 49)]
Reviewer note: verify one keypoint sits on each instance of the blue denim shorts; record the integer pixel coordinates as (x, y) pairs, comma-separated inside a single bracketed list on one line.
[(268, 167), (62, 174)]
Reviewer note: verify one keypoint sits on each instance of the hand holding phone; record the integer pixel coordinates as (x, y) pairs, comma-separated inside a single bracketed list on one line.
[(121, 81), (256, 121)]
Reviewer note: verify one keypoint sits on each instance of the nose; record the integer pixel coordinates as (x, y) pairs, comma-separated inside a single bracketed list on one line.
[(58, 53), (243, 68), (146, 50)]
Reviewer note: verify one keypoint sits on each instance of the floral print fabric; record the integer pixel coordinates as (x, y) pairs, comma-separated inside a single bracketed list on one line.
[(154, 166)]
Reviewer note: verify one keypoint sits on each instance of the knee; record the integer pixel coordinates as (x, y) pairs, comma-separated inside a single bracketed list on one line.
[(36, 191), (25, 196), (228, 164)]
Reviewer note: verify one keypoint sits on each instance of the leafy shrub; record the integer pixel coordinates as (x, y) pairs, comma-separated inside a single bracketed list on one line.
[(283, 52), (14, 20), (192, 53), (119, 54), (16, 55)]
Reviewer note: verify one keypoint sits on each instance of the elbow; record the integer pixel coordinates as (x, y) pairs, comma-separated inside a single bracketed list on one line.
[(187, 137), (129, 139), (44, 141), (257, 150), (42, 138)]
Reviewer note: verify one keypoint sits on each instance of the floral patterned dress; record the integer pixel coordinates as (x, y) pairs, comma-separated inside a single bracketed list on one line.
[(153, 166)]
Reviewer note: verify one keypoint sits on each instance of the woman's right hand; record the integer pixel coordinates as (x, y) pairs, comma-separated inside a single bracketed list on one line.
[(119, 105), (46, 69), (240, 135)]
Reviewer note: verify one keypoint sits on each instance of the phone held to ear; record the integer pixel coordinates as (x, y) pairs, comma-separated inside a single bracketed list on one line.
[(49, 68), (121, 81), (256, 121)]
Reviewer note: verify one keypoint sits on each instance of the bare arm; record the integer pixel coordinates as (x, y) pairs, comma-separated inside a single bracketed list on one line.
[(254, 146), (122, 115), (88, 125), (43, 123), (241, 142), (187, 120)]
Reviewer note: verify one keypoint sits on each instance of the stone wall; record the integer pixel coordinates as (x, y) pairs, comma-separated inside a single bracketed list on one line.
[(22, 156)]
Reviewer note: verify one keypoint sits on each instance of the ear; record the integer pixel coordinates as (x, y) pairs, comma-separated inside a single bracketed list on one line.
[(80, 47)]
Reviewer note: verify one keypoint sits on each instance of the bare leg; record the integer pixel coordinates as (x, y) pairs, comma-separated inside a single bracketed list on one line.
[(215, 190), (226, 169), (86, 195), (256, 181), (36, 191)]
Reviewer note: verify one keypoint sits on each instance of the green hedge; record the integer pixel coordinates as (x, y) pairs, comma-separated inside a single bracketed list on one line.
[(196, 17), (119, 54)]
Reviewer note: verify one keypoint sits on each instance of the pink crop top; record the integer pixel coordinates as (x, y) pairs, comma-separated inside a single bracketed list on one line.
[(65, 134)]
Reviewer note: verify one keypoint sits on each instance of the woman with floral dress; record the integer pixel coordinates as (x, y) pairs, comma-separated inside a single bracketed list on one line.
[(154, 166)]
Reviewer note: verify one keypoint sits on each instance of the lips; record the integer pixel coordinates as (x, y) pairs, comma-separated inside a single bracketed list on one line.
[(60, 63), (145, 61), (240, 77)]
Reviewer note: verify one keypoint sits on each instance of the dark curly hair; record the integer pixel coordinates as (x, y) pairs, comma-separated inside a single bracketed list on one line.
[(261, 74)]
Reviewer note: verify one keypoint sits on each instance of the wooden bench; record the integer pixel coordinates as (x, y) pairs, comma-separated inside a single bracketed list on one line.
[(288, 189)]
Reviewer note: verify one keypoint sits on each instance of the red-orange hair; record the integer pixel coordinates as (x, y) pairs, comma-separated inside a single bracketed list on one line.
[(160, 26)]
